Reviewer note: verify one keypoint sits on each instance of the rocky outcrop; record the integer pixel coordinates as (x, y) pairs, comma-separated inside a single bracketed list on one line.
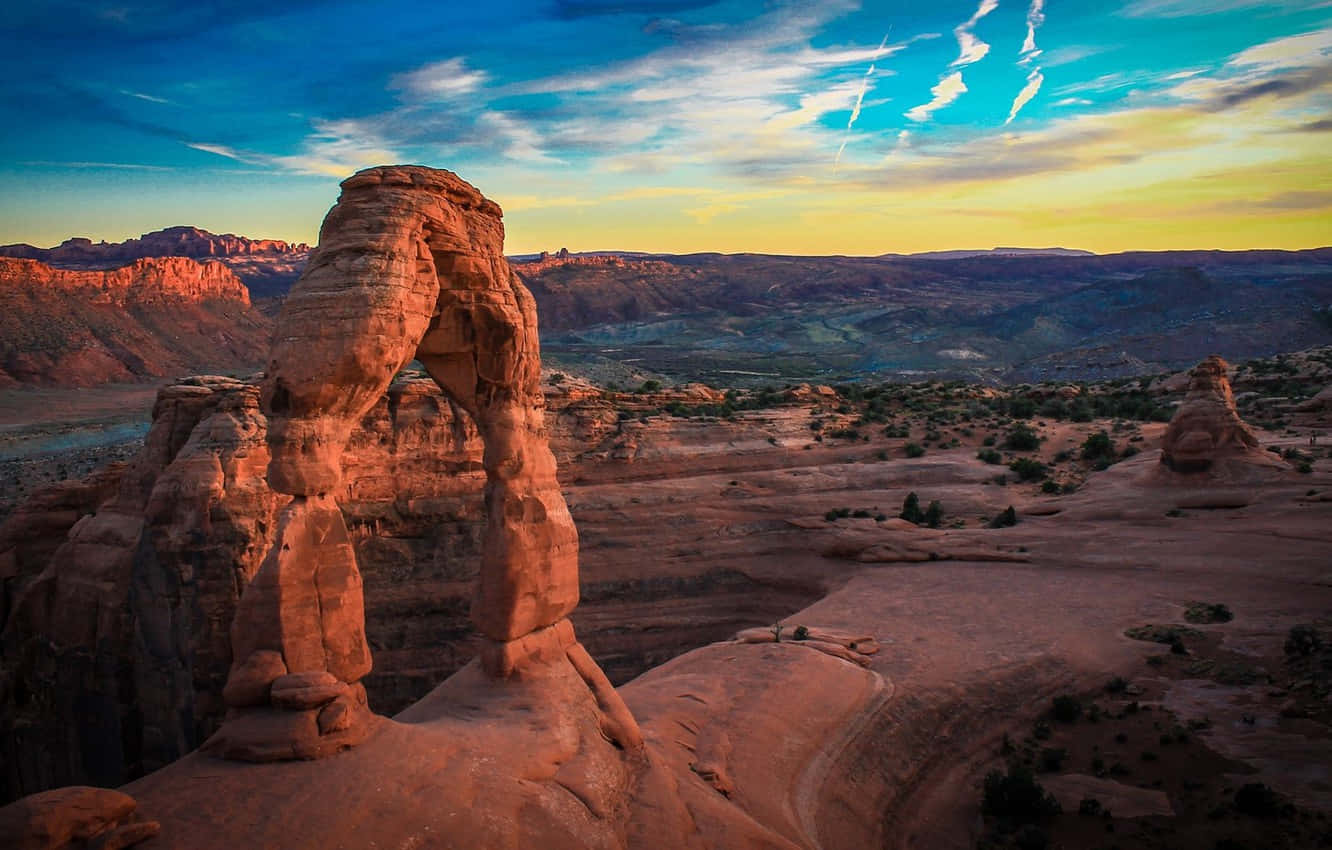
[(410, 265), (147, 319), (75, 818), (1206, 431)]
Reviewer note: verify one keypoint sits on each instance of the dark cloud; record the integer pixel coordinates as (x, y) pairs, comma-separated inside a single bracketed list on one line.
[(1323, 126), (1279, 87)]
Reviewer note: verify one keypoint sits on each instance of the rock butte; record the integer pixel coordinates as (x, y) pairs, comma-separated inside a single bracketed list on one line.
[(750, 743)]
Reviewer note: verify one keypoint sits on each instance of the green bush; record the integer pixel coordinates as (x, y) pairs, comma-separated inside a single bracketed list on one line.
[(911, 511), (914, 449), (1066, 708), (1017, 795), (1303, 640), (1203, 612), (1007, 517), (1098, 447), (1029, 469), (1022, 439), (934, 515), (990, 456)]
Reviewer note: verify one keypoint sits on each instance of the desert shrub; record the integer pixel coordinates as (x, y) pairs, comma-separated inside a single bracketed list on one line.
[(1007, 517), (934, 514), (1022, 439), (1052, 758), (1065, 708), (1257, 800), (837, 513), (1017, 795), (911, 511), (914, 449), (1203, 612), (860, 513), (1303, 640), (1097, 447), (1021, 408), (1031, 837), (989, 440), (1050, 487), (1161, 634), (1053, 408), (1116, 685), (557, 378), (648, 386), (1029, 469), (1089, 807), (990, 456), (800, 633)]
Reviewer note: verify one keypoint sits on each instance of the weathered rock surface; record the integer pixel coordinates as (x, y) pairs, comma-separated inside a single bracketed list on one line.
[(147, 319), (74, 817), (1206, 432)]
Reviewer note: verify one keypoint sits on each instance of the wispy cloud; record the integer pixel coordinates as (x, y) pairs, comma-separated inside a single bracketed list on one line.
[(1034, 80), (122, 166), (1029, 53), (1193, 8), (141, 96), (442, 80), (860, 99), (1035, 17), (970, 48), (949, 89)]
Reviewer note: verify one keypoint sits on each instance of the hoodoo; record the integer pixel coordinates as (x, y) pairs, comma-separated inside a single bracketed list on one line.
[(410, 265), (1206, 433)]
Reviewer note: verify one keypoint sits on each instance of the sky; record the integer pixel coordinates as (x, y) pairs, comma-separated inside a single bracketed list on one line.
[(786, 126)]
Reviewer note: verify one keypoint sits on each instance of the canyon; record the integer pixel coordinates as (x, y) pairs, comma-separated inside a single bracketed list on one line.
[(165, 604)]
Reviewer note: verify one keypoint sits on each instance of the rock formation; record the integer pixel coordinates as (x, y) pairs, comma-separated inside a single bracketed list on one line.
[(410, 265), (150, 318), (74, 818), (1207, 431)]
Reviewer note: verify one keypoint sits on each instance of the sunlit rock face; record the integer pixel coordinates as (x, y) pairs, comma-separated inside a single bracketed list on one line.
[(1207, 428)]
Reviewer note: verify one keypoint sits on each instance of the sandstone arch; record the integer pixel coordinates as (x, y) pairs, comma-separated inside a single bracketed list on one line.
[(410, 265)]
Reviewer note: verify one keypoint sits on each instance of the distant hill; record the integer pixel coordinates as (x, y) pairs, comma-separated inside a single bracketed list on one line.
[(266, 266), (981, 315), (999, 314), (155, 317), (997, 252)]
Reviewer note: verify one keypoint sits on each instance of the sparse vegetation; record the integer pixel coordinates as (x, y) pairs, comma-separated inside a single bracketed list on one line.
[(1006, 518), (1204, 613)]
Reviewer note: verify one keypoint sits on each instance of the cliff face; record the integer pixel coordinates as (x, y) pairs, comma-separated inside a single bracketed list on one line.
[(158, 280), (61, 327)]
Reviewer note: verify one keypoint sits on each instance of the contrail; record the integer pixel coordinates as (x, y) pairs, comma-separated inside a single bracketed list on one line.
[(860, 98)]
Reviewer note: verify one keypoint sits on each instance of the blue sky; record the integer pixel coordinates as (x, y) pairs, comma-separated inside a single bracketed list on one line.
[(826, 126)]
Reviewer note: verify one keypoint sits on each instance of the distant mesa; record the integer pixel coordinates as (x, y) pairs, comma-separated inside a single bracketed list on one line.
[(148, 319), (180, 241), (266, 266), (998, 252)]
